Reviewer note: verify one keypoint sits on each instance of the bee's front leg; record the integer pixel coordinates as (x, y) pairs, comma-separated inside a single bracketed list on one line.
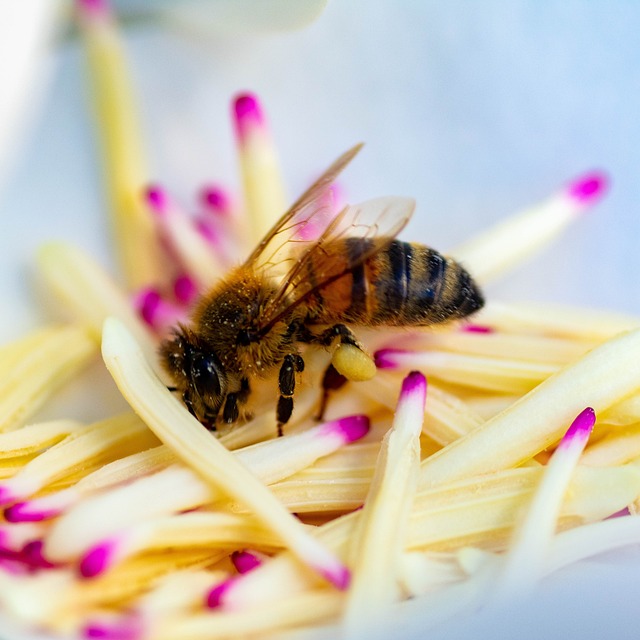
[(331, 381), (292, 364), (231, 410)]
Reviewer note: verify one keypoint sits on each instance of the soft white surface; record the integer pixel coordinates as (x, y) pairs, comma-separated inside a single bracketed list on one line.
[(476, 109)]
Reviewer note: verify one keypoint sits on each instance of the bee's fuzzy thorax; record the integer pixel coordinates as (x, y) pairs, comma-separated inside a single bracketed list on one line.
[(233, 307)]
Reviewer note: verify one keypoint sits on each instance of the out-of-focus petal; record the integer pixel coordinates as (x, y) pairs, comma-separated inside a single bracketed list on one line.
[(27, 30)]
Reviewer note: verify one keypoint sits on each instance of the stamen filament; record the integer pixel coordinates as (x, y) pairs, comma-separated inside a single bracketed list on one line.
[(263, 188), (122, 148)]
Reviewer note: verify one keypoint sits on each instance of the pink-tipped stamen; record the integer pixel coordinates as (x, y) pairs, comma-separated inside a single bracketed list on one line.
[(33, 555), (580, 429), (25, 512), (387, 358), (216, 200), (588, 189), (339, 576), (477, 328), (414, 383), (99, 558), (156, 311), (619, 514), (185, 289), (216, 596), (147, 303), (248, 116), (157, 199), (128, 628), (350, 429), (245, 561)]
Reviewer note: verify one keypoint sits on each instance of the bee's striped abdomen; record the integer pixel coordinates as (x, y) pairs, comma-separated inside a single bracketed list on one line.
[(403, 284)]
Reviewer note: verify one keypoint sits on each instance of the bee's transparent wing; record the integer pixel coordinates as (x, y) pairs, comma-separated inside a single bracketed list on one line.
[(324, 260), (306, 220)]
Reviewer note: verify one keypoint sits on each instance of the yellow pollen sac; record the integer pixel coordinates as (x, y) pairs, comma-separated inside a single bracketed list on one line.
[(353, 363)]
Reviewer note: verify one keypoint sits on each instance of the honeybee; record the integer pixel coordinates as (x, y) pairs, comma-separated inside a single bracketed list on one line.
[(295, 289)]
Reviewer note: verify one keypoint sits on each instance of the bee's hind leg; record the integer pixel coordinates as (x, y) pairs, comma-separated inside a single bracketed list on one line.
[(231, 409), (292, 364), (337, 331), (349, 358), (331, 381), (349, 361)]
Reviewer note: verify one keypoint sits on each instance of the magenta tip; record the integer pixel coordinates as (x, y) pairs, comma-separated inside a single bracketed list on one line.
[(414, 382), (622, 513), (97, 560), (245, 561), (589, 188), (34, 555), (148, 301), (248, 114), (215, 199), (339, 577), (185, 289), (129, 628), (215, 597), (477, 328), (350, 429), (20, 512), (384, 358), (581, 427), (156, 198)]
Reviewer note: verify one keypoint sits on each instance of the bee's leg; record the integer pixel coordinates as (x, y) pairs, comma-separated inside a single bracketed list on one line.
[(349, 361), (337, 331), (331, 381), (242, 397), (292, 364)]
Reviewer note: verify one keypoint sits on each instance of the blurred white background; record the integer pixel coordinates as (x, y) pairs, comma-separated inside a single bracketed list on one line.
[(477, 109)]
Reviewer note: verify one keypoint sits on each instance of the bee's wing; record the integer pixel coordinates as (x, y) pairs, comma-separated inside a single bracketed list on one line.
[(307, 219), (380, 219)]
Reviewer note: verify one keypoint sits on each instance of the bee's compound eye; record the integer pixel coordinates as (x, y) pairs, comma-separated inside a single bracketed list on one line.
[(208, 375)]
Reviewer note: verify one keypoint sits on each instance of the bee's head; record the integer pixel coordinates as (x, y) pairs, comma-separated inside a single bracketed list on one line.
[(197, 372)]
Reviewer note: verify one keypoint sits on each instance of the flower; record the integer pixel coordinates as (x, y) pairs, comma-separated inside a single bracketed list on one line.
[(127, 528)]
